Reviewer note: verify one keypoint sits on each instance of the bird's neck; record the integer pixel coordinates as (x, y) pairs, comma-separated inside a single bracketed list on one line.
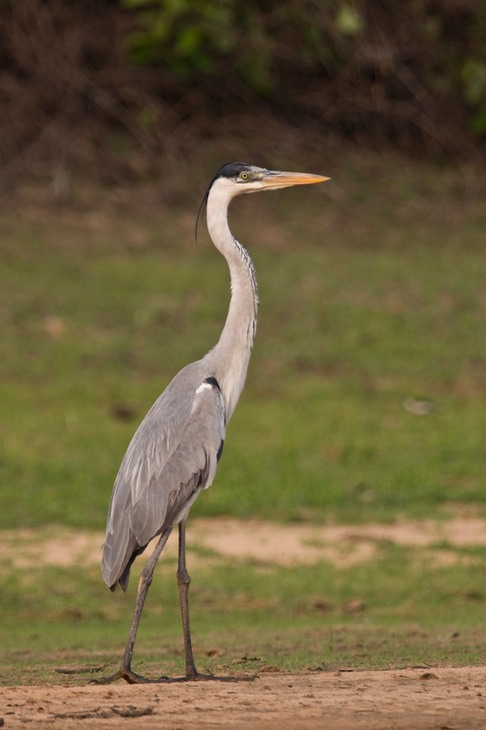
[(232, 353)]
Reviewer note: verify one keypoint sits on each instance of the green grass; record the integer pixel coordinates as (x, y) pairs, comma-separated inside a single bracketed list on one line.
[(363, 305), (372, 292), (250, 617)]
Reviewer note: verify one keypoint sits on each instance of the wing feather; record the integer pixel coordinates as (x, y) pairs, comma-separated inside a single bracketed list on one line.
[(172, 456)]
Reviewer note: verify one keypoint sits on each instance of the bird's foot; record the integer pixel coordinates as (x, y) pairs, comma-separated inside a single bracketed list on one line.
[(199, 676), (106, 680), (129, 676), (132, 677)]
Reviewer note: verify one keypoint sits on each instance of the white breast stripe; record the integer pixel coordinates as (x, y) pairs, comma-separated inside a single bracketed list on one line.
[(203, 386)]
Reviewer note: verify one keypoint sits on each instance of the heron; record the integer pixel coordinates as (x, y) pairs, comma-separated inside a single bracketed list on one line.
[(174, 453)]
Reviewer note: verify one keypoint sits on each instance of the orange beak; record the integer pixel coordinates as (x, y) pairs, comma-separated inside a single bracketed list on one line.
[(274, 179)]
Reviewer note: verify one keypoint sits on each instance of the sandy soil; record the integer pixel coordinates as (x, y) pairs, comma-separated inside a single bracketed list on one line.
[(291, 544), (412, 699), (445, 699)]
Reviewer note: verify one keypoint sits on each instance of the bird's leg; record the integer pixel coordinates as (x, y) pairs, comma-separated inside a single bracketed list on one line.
[(125, 671), (183, 581), (144, 584)]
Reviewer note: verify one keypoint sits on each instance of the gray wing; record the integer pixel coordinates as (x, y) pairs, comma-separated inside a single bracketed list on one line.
[(172, 456)]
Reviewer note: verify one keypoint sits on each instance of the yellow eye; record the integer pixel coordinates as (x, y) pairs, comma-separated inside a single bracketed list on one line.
[(244, 175)]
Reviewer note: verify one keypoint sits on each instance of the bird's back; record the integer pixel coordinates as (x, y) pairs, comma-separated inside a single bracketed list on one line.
[(171, 457)]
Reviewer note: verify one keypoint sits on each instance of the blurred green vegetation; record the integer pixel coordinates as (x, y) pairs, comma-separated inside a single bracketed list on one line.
[(134, 89), (332, 44), (366, 393)]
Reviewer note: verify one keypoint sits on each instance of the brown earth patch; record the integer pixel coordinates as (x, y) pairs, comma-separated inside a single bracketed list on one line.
[(411, 699), (341, 545)]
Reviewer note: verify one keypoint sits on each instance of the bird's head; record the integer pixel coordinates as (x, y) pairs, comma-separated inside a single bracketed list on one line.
[(236, 178)]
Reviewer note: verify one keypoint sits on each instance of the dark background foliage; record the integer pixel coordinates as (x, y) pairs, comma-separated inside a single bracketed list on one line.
[(120, 89)]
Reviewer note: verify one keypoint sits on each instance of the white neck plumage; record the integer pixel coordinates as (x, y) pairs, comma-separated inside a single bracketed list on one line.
[(232, 353)]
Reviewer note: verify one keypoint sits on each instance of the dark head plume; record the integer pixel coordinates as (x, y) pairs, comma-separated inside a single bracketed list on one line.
[(229, 169)]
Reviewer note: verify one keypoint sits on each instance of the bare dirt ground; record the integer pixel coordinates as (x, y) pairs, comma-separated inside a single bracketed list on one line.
[(411, 699), (442, 699)]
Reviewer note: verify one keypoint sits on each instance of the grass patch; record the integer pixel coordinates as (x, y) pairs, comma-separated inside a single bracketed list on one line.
[(389, 612), (360, 314)]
